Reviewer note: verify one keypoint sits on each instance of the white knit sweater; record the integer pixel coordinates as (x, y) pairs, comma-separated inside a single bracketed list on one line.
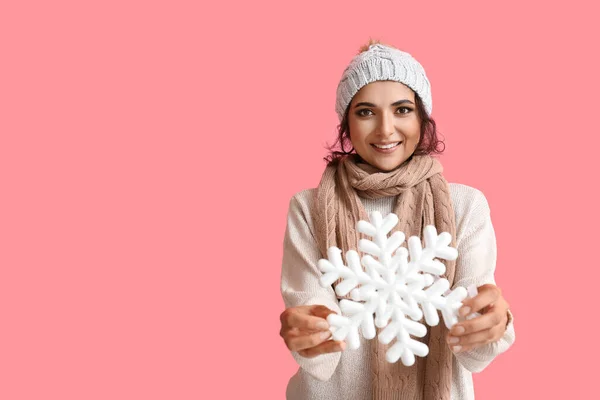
[(346, 375)]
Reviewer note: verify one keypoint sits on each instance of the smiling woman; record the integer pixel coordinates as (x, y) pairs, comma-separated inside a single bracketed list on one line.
[(384, 106), (385, 131), (409, 105)]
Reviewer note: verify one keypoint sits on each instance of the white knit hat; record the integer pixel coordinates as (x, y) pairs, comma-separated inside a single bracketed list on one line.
[(382, 63)]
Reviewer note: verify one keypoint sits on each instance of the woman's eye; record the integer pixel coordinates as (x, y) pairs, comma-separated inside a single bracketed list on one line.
[(364, 112), (405, 108)]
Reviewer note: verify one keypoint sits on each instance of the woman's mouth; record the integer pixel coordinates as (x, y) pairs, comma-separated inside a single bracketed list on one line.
[(387, 148)]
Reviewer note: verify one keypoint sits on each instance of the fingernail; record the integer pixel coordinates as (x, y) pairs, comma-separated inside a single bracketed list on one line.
[(456, 349), (342, 345), (322, 325), (459, 330), (464, 311), (453, 340), (325, 335)]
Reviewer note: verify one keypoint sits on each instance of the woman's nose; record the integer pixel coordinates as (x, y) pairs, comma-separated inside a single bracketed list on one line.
[(386, 124)]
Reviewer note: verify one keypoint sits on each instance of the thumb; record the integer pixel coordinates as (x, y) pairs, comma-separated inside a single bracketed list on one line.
[(321, 311)]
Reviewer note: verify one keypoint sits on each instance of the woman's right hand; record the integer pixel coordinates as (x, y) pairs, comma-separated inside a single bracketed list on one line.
[(305, 330)]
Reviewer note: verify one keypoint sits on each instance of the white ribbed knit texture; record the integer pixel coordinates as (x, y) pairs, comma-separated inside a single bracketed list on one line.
[(347, 375), (380, 63)]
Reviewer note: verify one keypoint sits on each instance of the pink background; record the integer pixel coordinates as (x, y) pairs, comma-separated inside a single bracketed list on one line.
[(148, 152)]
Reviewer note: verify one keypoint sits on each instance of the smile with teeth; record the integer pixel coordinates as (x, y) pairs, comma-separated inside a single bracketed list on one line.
[(387, 146)]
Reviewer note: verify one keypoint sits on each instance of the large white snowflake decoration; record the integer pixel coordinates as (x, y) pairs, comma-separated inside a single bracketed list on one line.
[(397, 291)]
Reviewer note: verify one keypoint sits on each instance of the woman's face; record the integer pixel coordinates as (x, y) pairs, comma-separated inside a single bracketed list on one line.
[(384, 113)]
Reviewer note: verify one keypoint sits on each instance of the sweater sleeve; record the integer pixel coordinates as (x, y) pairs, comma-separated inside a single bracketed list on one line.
[(300, 281), (476, 264)]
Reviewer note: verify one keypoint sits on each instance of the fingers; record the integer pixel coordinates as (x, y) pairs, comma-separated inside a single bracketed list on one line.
[(479, 331), (483, 322), (321, 311), (301, 318), (474, 340), (329, 346), (487, 295), (306, 341), (305, 329)]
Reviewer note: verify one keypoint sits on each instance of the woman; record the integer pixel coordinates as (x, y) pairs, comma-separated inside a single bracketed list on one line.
[(384, 106)]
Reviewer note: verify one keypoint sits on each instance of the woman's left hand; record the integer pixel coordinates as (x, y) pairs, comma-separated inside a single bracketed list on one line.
[(485, 329)]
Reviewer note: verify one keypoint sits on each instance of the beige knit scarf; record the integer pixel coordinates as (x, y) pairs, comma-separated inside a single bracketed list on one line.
[(424, 198)]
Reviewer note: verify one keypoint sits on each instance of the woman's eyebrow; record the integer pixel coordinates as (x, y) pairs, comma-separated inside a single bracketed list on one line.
[(397, 103)]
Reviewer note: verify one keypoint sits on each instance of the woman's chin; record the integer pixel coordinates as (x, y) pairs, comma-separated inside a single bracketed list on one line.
[(389, 164)]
